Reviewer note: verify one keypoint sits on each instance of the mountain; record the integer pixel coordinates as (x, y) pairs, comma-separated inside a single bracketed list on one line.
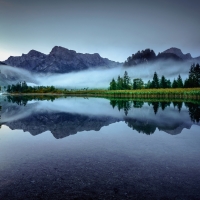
[(59, 60), (179, 53), (196, 60), (148, 55), (168, 56), (63, 60)]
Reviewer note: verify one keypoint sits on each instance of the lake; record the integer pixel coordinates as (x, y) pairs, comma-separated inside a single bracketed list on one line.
[(98, 148)]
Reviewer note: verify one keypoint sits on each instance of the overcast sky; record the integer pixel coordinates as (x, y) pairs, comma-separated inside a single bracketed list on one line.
[(113, 28)]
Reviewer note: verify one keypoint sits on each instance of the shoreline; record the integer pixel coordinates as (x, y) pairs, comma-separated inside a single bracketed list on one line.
[(179, 93)]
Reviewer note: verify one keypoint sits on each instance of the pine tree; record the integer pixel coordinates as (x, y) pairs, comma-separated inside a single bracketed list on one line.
[(134, 84), (179, 82), (174, 84), (148, 84), (194, 76), (138, 83), (126, 81), (186, 83), (155, 82), (169, 84), (163, 82), (119, 83), (113, 84), (24, 87)]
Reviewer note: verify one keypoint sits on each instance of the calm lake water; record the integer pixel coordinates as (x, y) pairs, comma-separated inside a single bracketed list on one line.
[(95, 148)]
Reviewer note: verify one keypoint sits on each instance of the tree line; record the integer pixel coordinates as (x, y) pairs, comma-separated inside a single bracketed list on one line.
[(22, 87), (124, 83)]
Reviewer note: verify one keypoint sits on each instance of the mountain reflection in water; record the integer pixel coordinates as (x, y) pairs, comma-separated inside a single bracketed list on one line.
[(65, 116)]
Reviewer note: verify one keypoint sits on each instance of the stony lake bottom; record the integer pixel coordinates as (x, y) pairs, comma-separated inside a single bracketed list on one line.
[(95, 148)]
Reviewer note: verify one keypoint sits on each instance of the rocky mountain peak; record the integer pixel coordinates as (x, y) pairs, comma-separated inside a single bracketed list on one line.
[(96, 54), (188, 56), (34, 53), (178, 52), (174, 50), (59, 60), (61, 51)]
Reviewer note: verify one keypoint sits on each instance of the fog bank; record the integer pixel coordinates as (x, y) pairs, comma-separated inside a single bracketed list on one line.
[(96, 78)]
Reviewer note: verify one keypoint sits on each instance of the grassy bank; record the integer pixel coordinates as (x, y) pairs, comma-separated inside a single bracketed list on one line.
[(178, 93)]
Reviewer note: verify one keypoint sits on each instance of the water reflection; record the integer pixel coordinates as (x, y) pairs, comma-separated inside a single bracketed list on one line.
[(128, 104), (23, 100), (65, 116), (194, 111)]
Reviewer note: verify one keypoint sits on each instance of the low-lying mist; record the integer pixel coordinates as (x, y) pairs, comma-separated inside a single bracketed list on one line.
[(13, 75), (99, 77)]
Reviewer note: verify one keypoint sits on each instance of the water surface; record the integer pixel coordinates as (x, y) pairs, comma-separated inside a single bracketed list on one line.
[(80, 148)]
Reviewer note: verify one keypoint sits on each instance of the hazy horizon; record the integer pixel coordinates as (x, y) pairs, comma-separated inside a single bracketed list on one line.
[(99, 77)]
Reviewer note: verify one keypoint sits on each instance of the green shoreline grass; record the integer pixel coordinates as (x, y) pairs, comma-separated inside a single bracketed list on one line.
[(178, 93)]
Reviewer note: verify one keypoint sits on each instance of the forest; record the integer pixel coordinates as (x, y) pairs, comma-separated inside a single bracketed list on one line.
[(125, 83)]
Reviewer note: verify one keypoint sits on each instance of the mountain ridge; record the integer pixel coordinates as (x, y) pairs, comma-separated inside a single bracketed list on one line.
[(59, 60), (178, 52), (63, 60), (148, 55)]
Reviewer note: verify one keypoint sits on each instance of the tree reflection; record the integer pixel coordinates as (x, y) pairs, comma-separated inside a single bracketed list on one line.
[(145, 117), (121, 104), (194, 111), (178, 105), (23, 100), (155, 106), (164, 104), (126, 105), (138, 104)]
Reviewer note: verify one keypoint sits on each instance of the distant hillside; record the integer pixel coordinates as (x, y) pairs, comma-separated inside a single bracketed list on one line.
[(148, 55), (59, 60), (62, 60), (178, 53)]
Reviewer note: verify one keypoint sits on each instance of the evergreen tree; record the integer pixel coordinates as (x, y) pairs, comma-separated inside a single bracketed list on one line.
[(174, 84), (179, 82), (169, 85), (9, 88), (24, 87), (138, 83), (134, 84), (194, 76), (113, 84), (119, 83), (163, 82), (148, 84), (126, 81), (186, 83), (155, 82)]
